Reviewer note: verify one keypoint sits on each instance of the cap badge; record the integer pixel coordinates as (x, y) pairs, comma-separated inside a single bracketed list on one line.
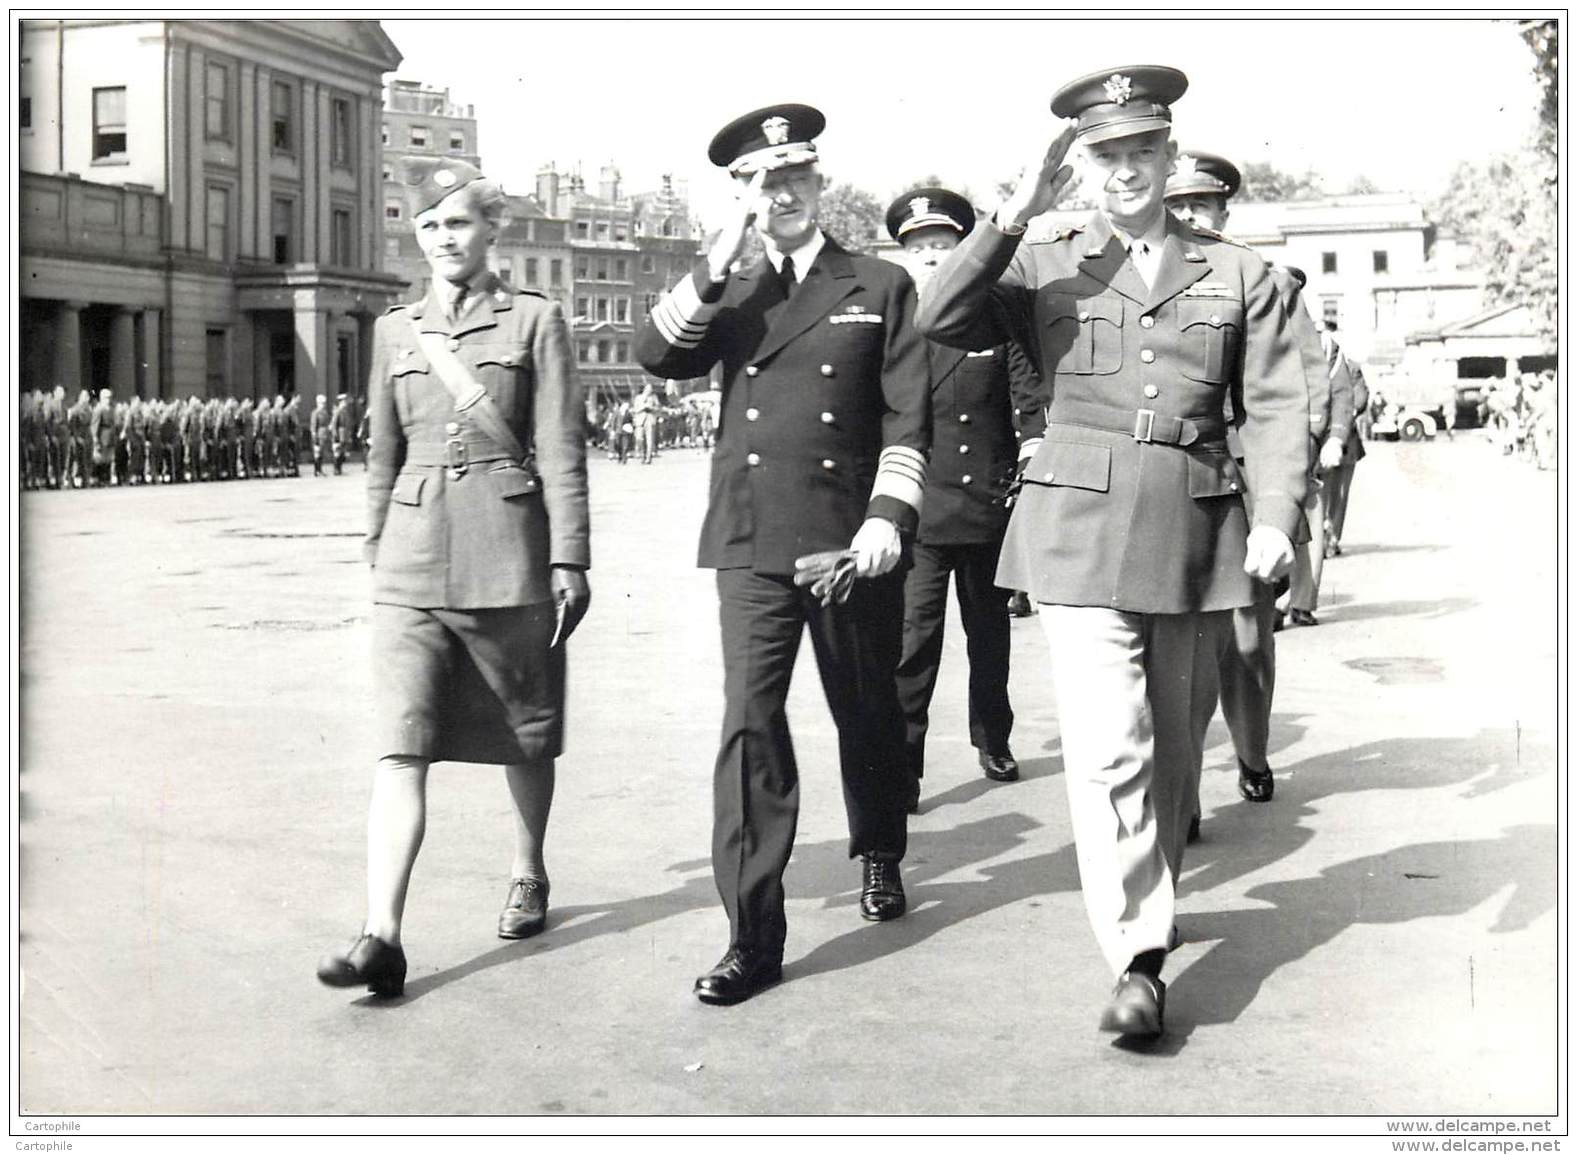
[(1187, 166), (1119, 88), (776, 129), (443, 178), (919, 206)]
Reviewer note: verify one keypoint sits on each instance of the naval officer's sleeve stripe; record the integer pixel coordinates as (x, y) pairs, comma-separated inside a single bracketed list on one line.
[(900, 474), (681, 316)]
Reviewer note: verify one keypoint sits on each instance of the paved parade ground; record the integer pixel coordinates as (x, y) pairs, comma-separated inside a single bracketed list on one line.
[(195, 737)]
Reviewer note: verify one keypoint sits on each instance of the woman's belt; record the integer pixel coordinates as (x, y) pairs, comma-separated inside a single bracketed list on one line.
[(1140, 424)]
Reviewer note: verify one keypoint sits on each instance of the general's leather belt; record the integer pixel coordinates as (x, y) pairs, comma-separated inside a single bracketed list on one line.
[(1140, 424), (456, 454)]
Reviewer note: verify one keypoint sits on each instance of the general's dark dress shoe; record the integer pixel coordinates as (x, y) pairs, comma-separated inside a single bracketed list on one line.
[(1255, 785), (739, 974), (368, 960), (525, 911), (1138, 1002), (881, 896), (1280, 622), (1193, 830), (1019, 605), (1304, 618), (1001, 767)]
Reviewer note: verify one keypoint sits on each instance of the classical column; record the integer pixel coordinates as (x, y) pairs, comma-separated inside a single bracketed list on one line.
[(314, 354), (152, 363), (68, 349), (123, 353)]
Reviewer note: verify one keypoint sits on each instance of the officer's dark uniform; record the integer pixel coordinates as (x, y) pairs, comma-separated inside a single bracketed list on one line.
[(825, 422), (974, 449)]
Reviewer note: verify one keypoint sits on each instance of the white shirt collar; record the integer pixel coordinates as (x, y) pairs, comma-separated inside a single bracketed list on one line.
[(1155, 235), (804, 256)]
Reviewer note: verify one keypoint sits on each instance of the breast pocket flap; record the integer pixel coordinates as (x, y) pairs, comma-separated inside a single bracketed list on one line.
[(1078, 464)]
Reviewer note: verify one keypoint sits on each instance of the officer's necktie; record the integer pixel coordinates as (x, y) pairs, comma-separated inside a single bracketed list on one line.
[(456, 300), (1140, 255), (786, 275)]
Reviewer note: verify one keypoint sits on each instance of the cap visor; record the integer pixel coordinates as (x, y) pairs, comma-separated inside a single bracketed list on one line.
[(1136, 127)]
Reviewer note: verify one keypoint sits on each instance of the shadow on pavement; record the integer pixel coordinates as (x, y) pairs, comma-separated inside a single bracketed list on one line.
[(1427, 608)]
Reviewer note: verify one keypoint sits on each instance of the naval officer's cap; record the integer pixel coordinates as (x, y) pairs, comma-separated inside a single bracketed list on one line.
[(932, 205), (1118, 102), (428, 180), (1203, 174), (778, 136)]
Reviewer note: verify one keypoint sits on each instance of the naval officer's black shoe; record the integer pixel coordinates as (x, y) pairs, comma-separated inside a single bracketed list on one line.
[(739, 974), (1193, 830), (1001, 767), (1138, 1003), (881, 894), (1255, 785)]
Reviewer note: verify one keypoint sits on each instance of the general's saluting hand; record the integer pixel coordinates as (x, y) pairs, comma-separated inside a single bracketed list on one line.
[(731, 240), (1040, 184)]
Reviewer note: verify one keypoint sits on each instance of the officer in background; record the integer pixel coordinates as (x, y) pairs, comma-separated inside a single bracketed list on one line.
[(825, 423), (1131, 530), (1338, 481), (1197, 192), (339, 432), (973, 456), (101, 438), (318, 430)]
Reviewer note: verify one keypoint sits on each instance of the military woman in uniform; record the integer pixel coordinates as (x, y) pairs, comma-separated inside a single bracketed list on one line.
[(477, 534)]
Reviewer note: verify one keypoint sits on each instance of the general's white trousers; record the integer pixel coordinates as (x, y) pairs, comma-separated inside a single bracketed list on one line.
[(1135, 693)]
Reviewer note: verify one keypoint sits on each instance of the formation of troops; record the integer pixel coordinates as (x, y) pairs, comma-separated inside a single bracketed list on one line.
[(101, 442)]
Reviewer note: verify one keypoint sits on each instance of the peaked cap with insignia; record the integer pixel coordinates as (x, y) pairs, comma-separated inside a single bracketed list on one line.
[(778, 136), (924, 207), (428, 180), (1203, 173), (1116, 102)]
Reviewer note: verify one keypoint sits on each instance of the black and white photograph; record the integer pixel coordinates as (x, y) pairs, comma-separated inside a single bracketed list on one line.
[(785, 573)]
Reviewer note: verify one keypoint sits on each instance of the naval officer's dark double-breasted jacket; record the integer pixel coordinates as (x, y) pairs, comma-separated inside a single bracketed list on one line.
[(1132, 501), (483, 535), (825, 415)]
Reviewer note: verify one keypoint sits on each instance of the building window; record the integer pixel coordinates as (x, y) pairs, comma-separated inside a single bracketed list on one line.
[(391, 211), (556, 272), (1330, 310), (650, 301), (602, 269), (284, 229), (218, 363), (581, 353), (531, 270), (1382, 261), (1327, 262), (602, 352), (109, 124), (602, 230), (418, 137), (640, 228), (218, 248), (341, 249), (216, 101), (341, 146), (531, 230), (386, 136), (582, 268), (583, 306), (621, 312), (25, 113), (648, 265), (668, 227), (621, 232), (621, 270), (388, 173), (622, 352), (456, 142), (284, 134), (582, 229), (602, 308)]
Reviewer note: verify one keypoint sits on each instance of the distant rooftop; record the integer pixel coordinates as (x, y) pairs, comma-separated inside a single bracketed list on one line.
[(423, 99)]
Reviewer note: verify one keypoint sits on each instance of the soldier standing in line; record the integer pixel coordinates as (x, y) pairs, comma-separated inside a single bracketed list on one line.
[(77, 456), (1130, 530), (339, 427), (318, 430), (258, 436), (974, 453), (101, 438), (826, 421)]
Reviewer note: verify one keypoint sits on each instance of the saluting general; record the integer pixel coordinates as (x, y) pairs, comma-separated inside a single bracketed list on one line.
[(1130, 529), (821, 447)]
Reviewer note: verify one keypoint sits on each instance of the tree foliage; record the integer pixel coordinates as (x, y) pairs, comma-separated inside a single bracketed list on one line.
[(1263, 181), (852, 217)]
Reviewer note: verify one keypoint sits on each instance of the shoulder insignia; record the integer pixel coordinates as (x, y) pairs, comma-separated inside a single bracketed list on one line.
[(1213, 235), (1066, 233), (530, 293), (395, 308)]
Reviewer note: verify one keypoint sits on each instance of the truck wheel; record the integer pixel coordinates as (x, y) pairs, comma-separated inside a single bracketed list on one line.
[(1412, 429)]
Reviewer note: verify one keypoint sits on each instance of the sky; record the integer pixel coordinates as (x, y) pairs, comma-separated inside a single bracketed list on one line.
[(1399, 101)]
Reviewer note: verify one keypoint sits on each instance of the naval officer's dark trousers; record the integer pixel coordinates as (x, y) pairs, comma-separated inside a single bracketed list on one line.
[(756, 781), (983, 610)]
